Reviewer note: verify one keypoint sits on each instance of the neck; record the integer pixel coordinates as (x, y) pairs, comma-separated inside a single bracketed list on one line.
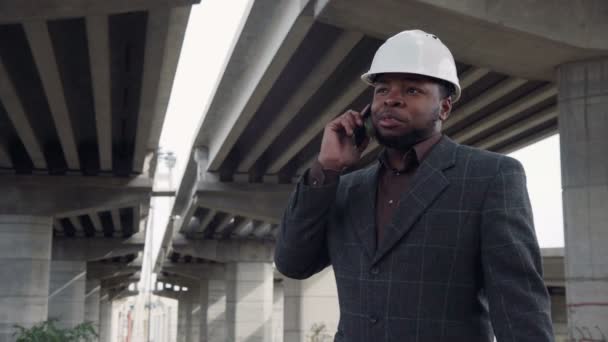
[(395, 157)]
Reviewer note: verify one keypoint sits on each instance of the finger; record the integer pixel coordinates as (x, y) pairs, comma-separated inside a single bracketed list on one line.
[(349, 123)]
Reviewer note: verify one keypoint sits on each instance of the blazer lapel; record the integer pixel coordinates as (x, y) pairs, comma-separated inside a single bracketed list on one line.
[(362, 198), (427, 183)]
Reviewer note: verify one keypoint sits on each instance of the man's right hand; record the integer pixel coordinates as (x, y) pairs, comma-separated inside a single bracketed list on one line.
[(338, 150)]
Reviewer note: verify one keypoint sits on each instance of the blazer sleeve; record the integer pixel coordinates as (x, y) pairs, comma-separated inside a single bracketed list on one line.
[(301, 247), (511, 260)]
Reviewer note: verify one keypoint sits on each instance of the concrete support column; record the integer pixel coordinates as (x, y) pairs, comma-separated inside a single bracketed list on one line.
[(105, 319), (184, 316), (249, 301), (91, 306), (311, 307), (25, 253), (583, 123), (66, 292), (203, 302), (216, 311), (278, 307)]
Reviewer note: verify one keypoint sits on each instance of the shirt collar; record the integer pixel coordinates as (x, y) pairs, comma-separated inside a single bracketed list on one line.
[(414, 156)]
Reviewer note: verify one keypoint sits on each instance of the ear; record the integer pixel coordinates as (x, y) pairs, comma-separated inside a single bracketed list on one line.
[(445, 108)]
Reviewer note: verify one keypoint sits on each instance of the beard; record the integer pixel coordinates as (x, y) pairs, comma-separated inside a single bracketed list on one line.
[(407, 140)]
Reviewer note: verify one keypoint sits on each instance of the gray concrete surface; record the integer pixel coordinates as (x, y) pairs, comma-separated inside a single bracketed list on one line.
[(92, 302), (583, 123), (216, 312), (25, 253), (105, 319), (67, 292), (249, 301)]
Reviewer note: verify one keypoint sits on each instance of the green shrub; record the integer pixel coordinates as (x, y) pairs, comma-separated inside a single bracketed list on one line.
[(48, 332)]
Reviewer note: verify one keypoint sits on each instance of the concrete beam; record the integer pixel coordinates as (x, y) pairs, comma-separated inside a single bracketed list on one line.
[(226, 250), (12, 11), (196, 271), (93, 249), (98, 37), (553, 266), (41, 46), (494, 119), (164, 38), (491, 34), (544, 19), (69, 195), (245, 228), (504, 135), (264, 202), (272, 31), (221, 227), (97, 270), (16, 114), (313, 81), (471, 76), (495, 93), (343, 99), (263, 230)]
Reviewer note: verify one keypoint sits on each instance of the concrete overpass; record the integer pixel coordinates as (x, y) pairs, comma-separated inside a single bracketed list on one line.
[(528, 70), (84, 87)]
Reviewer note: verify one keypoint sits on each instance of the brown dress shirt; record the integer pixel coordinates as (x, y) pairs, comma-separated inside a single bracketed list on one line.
[(392, 183)]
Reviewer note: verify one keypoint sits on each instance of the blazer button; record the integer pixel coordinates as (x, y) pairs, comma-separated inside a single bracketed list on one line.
[(375, 270), (373, 319)]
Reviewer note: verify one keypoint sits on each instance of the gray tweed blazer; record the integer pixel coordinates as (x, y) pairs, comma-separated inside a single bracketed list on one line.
[(459, 261)]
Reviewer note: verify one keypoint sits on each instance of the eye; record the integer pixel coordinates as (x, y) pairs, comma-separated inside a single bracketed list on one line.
[(413, 91), (381, 90)]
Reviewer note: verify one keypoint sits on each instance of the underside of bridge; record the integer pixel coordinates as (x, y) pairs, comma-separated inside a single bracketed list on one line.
[(297, 64), (84, 87)]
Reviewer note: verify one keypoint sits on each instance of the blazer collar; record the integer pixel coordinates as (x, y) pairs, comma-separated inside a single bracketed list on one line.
[(426, 184)]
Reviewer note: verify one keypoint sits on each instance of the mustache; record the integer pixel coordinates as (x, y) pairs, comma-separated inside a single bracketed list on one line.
[(388, 114)]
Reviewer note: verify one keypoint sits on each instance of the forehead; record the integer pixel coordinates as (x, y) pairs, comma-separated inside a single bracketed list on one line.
[(402, 77)]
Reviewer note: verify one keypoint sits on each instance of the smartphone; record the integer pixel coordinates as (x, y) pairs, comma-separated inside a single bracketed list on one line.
[(362, 132)]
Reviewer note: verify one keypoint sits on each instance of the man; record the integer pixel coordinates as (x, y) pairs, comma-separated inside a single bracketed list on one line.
[(435, 241)]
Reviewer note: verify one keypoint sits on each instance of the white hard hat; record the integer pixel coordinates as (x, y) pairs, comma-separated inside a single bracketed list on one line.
[(415, 52)]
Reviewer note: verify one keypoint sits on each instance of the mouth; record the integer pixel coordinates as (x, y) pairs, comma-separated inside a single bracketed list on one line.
[(389, 120)]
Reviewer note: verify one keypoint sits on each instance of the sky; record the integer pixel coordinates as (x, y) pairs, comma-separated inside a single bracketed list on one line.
[(210, 37)]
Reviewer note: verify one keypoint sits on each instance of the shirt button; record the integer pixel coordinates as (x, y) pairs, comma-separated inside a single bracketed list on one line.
[(375, 270), (373, 319)]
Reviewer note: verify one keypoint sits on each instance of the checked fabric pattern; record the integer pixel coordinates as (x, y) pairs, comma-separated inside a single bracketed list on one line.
[(458, 262)]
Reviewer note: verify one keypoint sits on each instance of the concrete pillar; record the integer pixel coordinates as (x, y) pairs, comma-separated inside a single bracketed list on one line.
[(311, 307), (25, 253), (195, 328), (66, 292), (105, 320), (91, 306), (203, 311), (278, 299), (184, 316), (216, 311), (583, 123), (249, 301)]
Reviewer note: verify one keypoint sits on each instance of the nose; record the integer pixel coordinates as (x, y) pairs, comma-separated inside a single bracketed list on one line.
[(393, 101)]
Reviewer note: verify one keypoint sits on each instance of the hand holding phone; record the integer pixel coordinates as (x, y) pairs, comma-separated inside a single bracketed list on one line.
[(344, 139)]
